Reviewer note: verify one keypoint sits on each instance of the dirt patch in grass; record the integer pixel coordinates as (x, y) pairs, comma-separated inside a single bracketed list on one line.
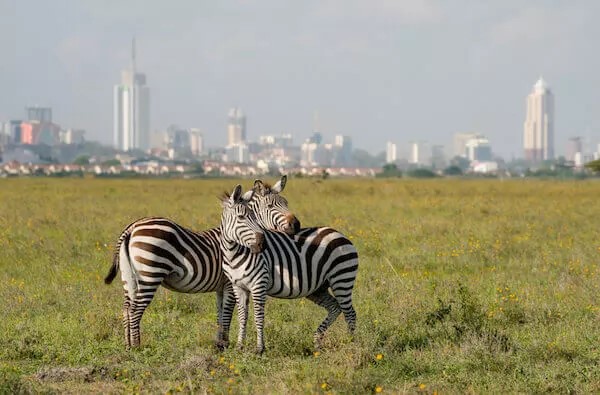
[(80, 374)]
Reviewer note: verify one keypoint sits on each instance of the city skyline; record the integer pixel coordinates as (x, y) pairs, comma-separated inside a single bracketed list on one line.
[(419, 69)]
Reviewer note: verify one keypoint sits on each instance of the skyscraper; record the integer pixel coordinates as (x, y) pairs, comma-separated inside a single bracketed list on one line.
[(39, 114), (342, 150), (390, 152), (478, 149), (131, 128), (460, 143), (538, 136), (574, 146), (418, 153), (236, 127)]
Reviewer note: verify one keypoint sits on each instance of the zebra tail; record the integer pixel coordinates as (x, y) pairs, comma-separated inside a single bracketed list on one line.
[(124, 238)]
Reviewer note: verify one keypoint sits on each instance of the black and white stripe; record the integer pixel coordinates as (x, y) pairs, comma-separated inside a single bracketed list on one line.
[(156, 251), (260, 262)]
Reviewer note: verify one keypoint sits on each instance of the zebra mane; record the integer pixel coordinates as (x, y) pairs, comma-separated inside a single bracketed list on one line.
[(224, 196), (264, 189)]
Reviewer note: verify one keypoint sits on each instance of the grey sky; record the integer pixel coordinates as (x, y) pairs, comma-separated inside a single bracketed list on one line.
[(376, 70)]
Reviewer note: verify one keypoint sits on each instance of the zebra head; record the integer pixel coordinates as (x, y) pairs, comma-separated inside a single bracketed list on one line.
[(271, 208), (238, 221)]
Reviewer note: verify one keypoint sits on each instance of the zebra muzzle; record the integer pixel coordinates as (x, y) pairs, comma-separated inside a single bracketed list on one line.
[(293, 225)]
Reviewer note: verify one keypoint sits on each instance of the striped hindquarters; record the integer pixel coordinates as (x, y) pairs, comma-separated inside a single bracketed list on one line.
[(161, 251)]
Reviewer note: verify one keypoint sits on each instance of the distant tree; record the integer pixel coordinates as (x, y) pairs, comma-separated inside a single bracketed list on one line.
[(390, 170), (453, 171), (111, 162), (460, 162), (82, 160), (593, 165), (324, 174), (197, 168), (421, 173), (362, 158)]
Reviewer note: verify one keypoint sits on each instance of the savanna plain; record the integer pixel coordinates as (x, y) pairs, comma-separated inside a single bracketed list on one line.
[(473, 286)]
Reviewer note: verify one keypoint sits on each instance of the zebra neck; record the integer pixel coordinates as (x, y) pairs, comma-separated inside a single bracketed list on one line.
[(232, 249)]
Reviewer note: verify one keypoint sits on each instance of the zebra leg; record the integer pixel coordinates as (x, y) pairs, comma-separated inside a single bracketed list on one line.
[(228, 306), (259, 299), (242, 297), (328, 302), (219, 342), (343, 295), (126, 321), (143, 297)]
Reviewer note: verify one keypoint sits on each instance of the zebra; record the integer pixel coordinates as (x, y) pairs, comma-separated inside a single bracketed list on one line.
[(260, 262), (155, 251)]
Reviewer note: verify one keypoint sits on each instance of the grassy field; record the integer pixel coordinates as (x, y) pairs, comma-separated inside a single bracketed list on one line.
[(463, 286)]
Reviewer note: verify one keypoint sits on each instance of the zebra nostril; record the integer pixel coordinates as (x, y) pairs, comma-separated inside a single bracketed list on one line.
[(293, 225)]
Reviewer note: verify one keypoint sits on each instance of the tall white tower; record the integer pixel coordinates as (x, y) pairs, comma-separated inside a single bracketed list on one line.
[(131, 122), (538, 134), (236, 127), (390, 152)]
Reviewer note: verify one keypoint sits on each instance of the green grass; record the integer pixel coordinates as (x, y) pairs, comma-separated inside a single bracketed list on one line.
[(464, 286)]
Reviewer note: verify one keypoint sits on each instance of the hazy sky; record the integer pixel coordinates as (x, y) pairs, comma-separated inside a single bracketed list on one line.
[(376, 70)]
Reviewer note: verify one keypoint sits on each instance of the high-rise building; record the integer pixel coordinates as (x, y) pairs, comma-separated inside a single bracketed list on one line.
[(390, 152), (14, 131), (35, 132), (479, 149), (313, 153), (284, 140), (196, 142), (342, 150), (438, 159), (574, 145), (131, 127), (460, 143), (40, 114), (538, 134), (236, 127), (72, 136), (418, 153), (237, 153)]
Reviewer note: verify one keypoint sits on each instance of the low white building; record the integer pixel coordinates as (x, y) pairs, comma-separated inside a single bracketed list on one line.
[(484, 167)]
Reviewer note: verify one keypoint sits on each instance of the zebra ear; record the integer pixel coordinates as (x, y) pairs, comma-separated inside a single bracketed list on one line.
[(279, 185), (259, 187), (236, 194)]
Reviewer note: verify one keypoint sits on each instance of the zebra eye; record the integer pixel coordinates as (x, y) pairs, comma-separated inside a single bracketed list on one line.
[(240, 216)]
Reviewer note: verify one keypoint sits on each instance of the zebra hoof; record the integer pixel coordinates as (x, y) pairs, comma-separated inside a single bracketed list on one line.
[(259, 351), (318, 340)]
